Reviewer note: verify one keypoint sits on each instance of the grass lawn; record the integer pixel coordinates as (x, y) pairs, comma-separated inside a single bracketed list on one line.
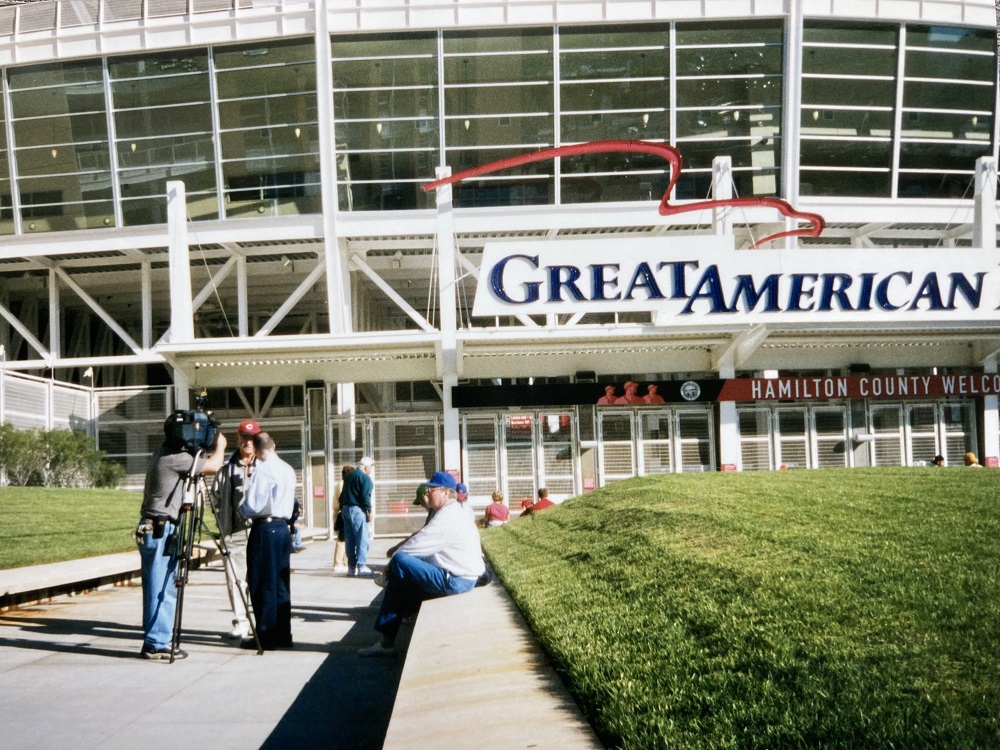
[(40, 525), (813, 609)]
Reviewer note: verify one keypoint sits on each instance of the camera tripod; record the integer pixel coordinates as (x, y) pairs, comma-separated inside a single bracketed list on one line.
[(191, 518)]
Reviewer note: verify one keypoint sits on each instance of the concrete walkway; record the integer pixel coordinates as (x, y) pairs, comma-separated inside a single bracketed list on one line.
[(70, 675)]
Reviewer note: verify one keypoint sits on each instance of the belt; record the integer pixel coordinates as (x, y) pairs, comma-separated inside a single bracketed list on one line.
[(267, 519), (158, 520)]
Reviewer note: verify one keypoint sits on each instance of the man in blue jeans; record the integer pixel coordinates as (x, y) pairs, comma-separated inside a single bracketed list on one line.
[(356, 511), (444, 558), (166, 483)]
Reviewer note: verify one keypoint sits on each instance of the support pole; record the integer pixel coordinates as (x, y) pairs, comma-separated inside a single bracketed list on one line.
[(984, 231), (448, 361), (181, 309)]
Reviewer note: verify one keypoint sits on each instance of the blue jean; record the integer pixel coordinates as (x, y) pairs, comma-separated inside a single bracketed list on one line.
[(411, 581), (159, 590), (355, 536)]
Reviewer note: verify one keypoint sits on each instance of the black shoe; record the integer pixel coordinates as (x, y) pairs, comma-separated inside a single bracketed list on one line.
[(161, 654), (249, 644)]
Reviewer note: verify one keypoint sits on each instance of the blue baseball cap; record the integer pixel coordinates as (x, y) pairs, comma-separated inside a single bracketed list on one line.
[(442, 479), (461, 489)]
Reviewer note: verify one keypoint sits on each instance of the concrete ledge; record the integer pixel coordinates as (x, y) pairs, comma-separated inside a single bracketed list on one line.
[(38, 582), (475, 677)]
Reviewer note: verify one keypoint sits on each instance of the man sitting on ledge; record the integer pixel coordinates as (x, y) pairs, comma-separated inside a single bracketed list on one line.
[(442, 559)]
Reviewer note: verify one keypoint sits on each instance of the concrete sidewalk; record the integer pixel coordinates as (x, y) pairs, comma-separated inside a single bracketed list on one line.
[(70, 675)]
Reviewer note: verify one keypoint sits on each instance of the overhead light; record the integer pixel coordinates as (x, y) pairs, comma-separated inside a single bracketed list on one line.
[(467, 124), (298, 132), (133, 148), (645, 119), (55, 153), (285, 262), (815, 115), (378, 127)]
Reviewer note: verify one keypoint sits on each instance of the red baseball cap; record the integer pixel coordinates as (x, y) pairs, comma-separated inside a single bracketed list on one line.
[(248, 427)]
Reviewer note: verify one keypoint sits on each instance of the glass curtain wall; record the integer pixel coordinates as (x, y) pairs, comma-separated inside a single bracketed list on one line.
[(6, 193), (268, 128), (385, 103), (855, 108), (947, 114), (60, 146), (498, 103), (614, 85), (163, 131)]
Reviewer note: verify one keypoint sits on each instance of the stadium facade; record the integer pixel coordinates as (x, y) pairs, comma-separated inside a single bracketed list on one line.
[(233, 195)]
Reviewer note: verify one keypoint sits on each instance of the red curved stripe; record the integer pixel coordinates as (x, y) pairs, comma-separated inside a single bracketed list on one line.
[(670, 154)]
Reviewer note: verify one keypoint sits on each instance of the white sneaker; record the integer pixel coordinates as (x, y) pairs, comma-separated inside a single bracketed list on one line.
[(364, 570), (381, 579), (239, 630), (339, 568), (377, 649)]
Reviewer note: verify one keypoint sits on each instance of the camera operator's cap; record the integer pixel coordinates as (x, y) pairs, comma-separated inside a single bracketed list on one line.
[(248, 427), (367, 461), (442, 479), (462, 490)]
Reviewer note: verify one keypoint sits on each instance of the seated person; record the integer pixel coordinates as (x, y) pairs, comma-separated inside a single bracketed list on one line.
[(443, 558), (542, 503), (497, 512)]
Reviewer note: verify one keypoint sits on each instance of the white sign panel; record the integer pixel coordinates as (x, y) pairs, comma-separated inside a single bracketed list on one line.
[(699, 280)]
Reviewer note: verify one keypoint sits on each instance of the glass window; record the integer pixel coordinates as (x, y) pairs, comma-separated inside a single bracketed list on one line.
[(949, 94), (6, 199), (163, 122), (385, 102), (847, 112), (729, 89), (499, 91), (60, 146), (269, 132)]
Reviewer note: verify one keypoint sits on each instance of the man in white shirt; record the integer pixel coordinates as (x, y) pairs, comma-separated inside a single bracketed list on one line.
[(269, 502), (444, 558)]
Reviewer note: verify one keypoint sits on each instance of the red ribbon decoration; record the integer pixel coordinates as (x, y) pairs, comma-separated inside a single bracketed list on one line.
[(673, 156)]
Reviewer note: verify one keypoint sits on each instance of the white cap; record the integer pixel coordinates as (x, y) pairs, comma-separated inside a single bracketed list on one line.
[(367, 461)]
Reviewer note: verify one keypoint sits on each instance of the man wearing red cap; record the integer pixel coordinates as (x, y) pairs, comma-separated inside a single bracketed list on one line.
[(228, 492)]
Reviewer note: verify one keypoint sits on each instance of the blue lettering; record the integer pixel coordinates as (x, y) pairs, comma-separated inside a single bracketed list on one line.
[(679, 289), (497, 285), (799, 290), (865, 295), (961, 284), (599, 282), (930, 291), (556, 283), (835, 285), (751, 296), (882, 291), (643, 279), (712, 285)]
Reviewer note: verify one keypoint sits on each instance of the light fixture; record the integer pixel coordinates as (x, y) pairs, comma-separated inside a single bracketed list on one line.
[(645, 119), (298, 132), (975, 120), (736, 116), (285, 262), (378, 127), (55, 153), (133, 148), (467, 123), (815, 115)]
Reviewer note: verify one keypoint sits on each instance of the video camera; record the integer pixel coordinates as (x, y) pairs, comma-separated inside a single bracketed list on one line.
[(193, 430)]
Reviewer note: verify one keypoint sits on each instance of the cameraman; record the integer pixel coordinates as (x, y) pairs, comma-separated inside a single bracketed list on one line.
[(166, 483), (227, 495)]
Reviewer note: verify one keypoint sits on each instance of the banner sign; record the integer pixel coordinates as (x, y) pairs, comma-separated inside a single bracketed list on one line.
[(696, 280), (733, 389)]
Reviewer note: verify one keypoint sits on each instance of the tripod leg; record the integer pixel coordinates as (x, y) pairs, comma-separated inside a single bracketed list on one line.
[(227, 558), (184, 541)]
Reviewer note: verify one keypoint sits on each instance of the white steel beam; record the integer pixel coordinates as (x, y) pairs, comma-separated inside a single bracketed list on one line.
[(100, 311), (25, 334), (391, 293), (318, 270)]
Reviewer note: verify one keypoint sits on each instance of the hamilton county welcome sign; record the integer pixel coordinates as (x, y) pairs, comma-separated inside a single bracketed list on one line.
[(704, 279)]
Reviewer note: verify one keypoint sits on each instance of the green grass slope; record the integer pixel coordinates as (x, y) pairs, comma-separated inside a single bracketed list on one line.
[(42, 525), (822, 609)]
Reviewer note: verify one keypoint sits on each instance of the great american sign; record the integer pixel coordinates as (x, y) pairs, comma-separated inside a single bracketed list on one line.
[(694, 280)]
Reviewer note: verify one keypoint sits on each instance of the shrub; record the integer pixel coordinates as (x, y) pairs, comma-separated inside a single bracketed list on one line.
[(55, 458)]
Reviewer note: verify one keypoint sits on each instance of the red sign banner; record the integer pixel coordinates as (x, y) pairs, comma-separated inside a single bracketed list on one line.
[(864, 386)]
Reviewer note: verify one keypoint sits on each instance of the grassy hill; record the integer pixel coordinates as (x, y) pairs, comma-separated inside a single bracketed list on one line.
[(821, 609)]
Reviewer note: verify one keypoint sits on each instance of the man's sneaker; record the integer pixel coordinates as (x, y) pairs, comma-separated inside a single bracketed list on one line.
[(239, 630), (339, 568), (381, 579), (377, 649), (364, 570), (352, 572), (160, 654)]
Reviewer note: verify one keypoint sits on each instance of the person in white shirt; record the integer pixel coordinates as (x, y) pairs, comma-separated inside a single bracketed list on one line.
[(444, 558), (269, 502)]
